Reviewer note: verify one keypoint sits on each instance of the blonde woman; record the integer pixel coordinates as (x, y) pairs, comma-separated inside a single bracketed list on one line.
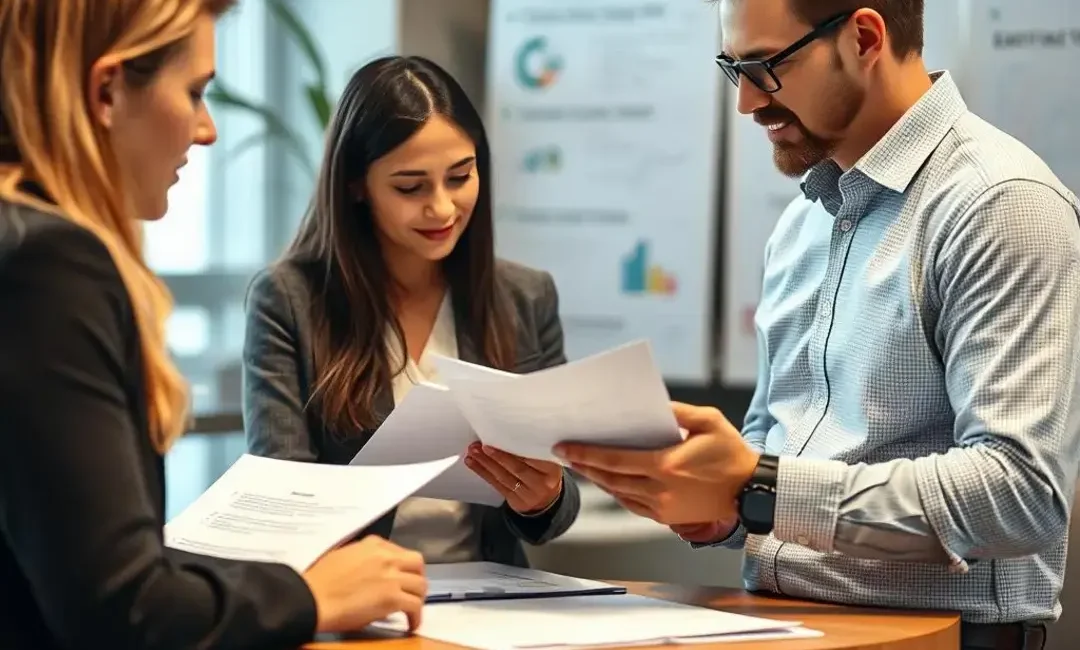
[(99, 104)]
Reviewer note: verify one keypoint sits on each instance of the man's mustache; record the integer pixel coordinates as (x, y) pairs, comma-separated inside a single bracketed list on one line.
[(772, 115)]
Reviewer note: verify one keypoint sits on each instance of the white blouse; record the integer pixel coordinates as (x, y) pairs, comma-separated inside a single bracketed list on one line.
[(442, 531)]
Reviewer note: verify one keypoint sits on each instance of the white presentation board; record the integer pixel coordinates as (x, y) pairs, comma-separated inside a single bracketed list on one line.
[(1020, 74), (604, 122)]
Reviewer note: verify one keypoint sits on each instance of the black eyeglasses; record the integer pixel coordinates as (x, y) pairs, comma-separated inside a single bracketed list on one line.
[(760, 71)]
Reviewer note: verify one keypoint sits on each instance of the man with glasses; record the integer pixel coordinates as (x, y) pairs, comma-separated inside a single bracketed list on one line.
[(914, 436)]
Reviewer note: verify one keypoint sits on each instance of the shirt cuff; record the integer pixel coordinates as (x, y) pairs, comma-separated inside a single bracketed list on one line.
[(808, 496), (735, 540)]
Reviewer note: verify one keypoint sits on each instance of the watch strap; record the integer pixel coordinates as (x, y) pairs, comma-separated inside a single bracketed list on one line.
[(760, 490), (766, 473)]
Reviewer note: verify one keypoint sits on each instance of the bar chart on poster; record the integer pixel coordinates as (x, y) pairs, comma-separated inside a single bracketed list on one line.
[(603, 118)]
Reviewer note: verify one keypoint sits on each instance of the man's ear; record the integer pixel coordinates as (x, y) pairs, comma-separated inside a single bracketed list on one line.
[(870, 34), (104, 92)]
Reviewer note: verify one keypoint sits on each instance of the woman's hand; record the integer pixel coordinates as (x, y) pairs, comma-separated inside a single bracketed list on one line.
[(529, 486), (366, 581)]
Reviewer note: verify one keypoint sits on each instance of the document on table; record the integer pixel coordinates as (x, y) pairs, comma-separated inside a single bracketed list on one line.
[(271, 510), (615, 398), (426, 426), (493, 581), (589, 621)]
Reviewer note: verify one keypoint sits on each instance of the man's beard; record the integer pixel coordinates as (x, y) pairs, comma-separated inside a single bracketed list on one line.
[(793, 159)]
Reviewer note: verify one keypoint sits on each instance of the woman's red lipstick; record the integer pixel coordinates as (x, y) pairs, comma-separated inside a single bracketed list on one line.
[(437, 235)]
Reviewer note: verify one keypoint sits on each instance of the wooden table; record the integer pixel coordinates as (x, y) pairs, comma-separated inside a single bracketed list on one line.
[(845, 628)]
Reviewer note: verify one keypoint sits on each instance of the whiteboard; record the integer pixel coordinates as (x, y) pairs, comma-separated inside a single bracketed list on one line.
[(603, 122)]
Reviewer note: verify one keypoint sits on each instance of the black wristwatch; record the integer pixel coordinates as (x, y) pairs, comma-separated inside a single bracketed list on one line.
[(757, 503)]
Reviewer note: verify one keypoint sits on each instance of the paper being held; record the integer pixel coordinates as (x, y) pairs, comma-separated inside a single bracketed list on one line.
[(270, 510), (616, 398), (428, 425)]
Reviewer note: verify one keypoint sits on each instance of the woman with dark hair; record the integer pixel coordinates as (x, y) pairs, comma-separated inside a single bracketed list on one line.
[(393, 263)]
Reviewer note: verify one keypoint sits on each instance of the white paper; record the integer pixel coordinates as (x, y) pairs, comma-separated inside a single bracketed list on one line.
[(787, 634), (270, 510), (451, 369), (474, 580), (428, 425), (615, 398), (583, 621)]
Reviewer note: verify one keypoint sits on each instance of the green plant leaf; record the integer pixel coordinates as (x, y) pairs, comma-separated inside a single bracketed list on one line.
[(275, 126), (294, 146), (320, 104), (303, 37)]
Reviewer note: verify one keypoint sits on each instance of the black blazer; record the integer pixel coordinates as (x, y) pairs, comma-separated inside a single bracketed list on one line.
[(82, 498), (279, 374)]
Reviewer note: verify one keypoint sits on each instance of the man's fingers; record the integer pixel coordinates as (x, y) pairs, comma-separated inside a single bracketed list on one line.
[(637, 507), (697, 419), (639, 487), (610, 459)]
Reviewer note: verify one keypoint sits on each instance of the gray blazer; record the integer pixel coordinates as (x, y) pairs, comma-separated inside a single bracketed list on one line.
[(279, 374)]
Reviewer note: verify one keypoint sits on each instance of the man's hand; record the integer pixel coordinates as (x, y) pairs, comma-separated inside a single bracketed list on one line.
[(697, 480), (704, 533)]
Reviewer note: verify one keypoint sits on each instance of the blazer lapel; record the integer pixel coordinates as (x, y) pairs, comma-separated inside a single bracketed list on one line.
[(384, 403), (467, 348)]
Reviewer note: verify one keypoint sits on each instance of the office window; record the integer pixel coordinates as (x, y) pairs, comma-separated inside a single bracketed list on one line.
[(179, 243), (207, 247)]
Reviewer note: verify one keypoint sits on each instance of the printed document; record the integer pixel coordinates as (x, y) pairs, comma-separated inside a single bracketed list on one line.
[(615, 398), (588, 621), (492, 581), (271, 510), (426, 426)]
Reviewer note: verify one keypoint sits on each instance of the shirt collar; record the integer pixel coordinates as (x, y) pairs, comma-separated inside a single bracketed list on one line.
[(896, 158)]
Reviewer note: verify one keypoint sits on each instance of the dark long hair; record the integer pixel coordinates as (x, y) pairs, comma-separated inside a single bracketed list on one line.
[(383, 105)]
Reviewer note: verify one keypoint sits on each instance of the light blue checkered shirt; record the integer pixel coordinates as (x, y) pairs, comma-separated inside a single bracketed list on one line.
[(919, 341)]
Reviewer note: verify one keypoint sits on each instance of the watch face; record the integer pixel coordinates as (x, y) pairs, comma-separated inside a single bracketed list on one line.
[(758, 506)]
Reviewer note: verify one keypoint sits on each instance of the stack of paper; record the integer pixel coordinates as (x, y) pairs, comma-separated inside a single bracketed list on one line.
[(616, 398), (590, 622), (492, 581), (269, 510)]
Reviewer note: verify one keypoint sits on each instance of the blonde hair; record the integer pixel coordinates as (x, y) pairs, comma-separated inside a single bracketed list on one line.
[(47, 137)]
